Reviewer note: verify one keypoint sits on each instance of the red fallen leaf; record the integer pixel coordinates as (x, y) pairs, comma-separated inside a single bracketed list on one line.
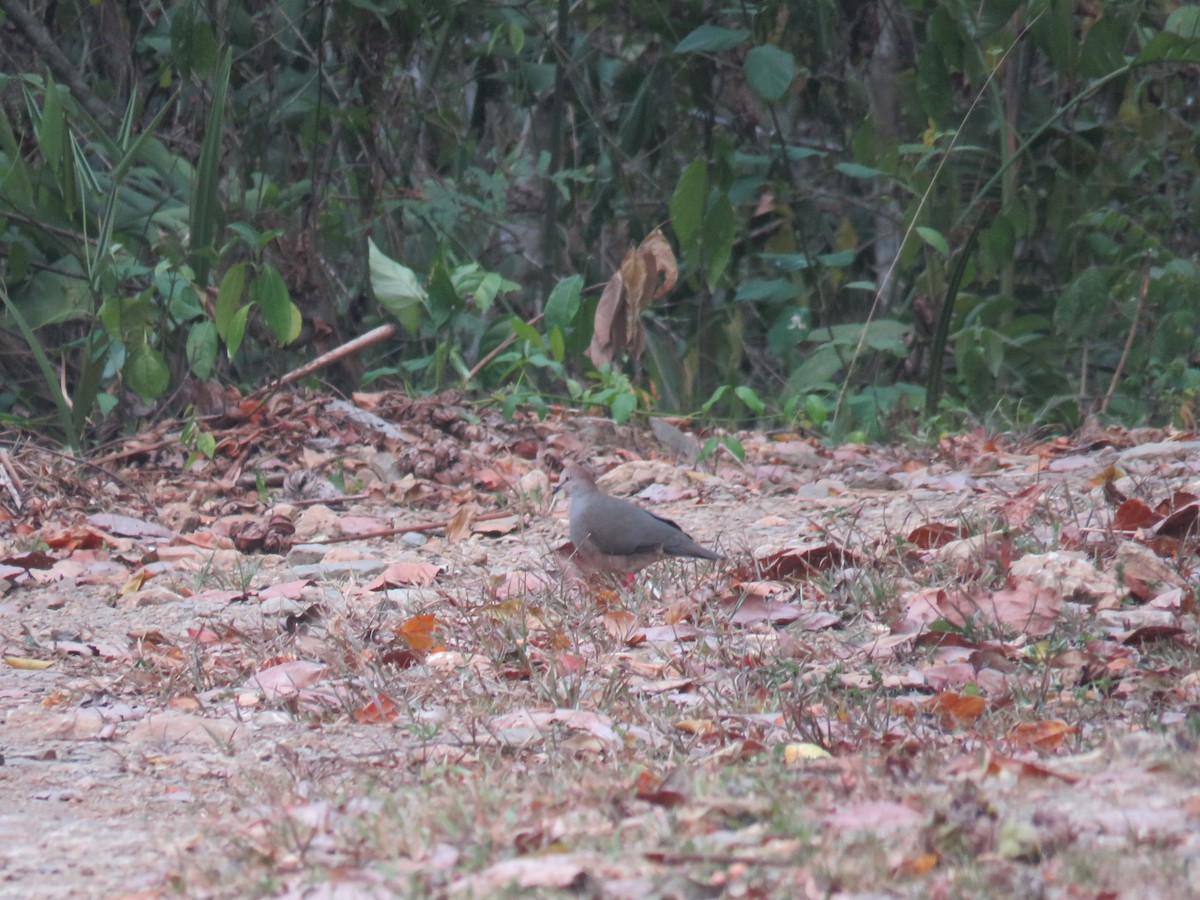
[(951, 675), (381, 710), (34, 560), (1026, 769), (755, 610), (401, 657), (1044, 735), (571, 662), (1175, 502), (405, 573), (1181, 523), (490, 479), (128, 526), (1018, 510), (1025, 607), (620, 624), (956, 708), (519, 584), (460, 523), (678, 632), (286, 679), (671, 791), (916, 866), (803, 562), (417, 632), (761, 588), (288, 590), (1132, 515), (524, 449), (71, 539), (935, 534), (1148, 633), (204, 635)]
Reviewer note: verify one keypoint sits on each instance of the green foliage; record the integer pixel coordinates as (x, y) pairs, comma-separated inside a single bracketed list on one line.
[(974, 210)]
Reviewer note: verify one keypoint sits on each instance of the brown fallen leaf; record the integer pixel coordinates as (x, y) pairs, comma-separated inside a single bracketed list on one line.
[(935, 534), (405, 573), (956, 708), (286, 679), (418, 633), (460, 523), (673, 790), (1044, 735)]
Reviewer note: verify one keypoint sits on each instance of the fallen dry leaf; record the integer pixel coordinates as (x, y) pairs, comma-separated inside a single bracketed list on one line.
[(286, 679), (405, 573)]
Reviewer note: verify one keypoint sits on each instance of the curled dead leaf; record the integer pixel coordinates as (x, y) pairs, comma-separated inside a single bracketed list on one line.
[(648, 272)]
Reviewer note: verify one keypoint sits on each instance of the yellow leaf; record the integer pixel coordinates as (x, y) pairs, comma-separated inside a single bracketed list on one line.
[(794, 754), (20, 662)]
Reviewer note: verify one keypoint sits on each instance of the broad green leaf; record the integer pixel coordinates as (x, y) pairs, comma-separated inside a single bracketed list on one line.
[(1055, 31), (934, 239), (837, 260), (945, 34), (229, 298), (202, 348), (996, 14), (1185, 21), (443, 298), (933, 83), (395, 286), (193, 43), (750, 398), (717, 240), (734, 446), (1101, 53), (237, 330), (50, 297), (51, 131), (816, 409), (816, 371), (146, 372), (124, 317), (715, 398), (270, 292), (856, 170), (623, 406), (770, 71), (485, 293), (18, 259), (527, 332), (712, 39), (1168, 47), (516, 36), (687, 202), (775, 290), (558, 344), (1084, 303), (563, 303)]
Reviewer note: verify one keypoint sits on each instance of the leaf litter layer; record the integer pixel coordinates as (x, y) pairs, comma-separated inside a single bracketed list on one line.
[(346, 652)]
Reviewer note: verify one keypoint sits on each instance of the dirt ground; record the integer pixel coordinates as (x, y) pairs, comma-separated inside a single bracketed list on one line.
[(961, 670)]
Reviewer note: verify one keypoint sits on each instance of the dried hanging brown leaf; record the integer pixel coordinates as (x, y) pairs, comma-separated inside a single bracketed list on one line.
[(648, 272)]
